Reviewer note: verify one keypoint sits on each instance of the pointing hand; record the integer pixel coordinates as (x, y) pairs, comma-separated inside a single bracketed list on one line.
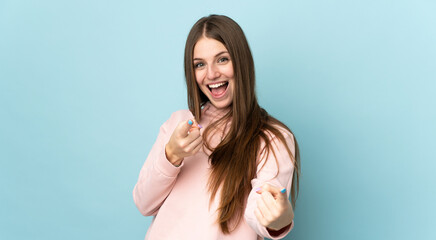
[(184, 142)]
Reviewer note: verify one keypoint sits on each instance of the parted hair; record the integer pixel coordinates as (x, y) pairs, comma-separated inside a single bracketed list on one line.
[(235, 160)]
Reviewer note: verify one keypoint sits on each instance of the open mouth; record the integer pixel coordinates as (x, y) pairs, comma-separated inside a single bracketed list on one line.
[(218, 89)]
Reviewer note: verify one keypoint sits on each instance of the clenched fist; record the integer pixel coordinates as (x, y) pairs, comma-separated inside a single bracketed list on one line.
[(274, 210)]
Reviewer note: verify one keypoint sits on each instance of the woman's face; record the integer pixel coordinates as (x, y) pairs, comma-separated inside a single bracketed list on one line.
[(214, 71)]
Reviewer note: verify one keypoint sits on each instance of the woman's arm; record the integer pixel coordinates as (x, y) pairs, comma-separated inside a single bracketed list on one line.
[(277, 172), (160, 170), (157, 176)]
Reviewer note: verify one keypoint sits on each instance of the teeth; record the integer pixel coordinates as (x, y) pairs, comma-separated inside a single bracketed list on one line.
[(216, 85)]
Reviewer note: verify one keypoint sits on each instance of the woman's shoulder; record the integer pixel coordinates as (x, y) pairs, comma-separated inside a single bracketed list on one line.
[(279, 141), (280, 136), (280, 128)]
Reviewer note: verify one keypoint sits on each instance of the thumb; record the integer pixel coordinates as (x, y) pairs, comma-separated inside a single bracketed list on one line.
[(184, 127)]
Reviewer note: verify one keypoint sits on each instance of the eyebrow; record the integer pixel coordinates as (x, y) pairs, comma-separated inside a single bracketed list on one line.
[(215, 55)]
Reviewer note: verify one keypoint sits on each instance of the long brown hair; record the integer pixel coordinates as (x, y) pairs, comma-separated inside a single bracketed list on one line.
[(234, 161)]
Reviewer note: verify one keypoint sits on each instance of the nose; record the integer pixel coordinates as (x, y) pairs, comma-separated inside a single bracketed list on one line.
[(213, 72)]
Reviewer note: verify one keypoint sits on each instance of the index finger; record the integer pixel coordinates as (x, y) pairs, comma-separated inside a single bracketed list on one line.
[(193, 134)]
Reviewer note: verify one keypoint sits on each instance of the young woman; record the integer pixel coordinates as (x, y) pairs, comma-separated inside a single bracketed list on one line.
[(224, 168)]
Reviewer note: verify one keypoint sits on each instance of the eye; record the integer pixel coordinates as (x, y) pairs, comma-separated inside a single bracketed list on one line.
[(223, 59), (198, 65)]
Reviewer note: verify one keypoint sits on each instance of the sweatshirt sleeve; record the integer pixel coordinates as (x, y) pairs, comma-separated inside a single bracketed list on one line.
[(158, 175), (276, 170)]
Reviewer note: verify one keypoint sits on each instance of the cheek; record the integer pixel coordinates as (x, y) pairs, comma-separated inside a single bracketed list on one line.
[(229, 71), (199, 76)]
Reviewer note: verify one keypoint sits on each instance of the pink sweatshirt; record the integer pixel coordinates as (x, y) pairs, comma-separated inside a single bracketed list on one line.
[(178, 198)]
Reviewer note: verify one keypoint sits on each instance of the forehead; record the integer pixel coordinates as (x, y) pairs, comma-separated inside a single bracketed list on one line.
[(208, 47)]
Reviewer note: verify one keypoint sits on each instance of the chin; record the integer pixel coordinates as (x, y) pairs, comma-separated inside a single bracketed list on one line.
[(222, 104)]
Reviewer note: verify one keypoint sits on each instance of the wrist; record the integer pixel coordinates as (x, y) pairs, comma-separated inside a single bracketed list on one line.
[(172, 158)]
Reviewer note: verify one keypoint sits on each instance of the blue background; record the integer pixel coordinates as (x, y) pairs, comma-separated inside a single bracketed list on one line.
[(85, 85)]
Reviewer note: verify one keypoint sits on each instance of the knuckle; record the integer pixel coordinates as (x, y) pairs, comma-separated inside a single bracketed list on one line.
[(264, 223), (275, 214), (183, 144)]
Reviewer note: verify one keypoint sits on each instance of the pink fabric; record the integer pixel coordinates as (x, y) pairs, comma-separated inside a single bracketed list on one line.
[(178, 198)]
